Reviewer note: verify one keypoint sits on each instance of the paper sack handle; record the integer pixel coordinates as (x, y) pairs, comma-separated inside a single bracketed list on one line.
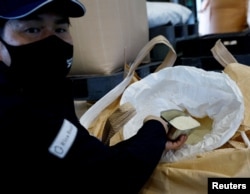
[(224, 57), (88, 117)]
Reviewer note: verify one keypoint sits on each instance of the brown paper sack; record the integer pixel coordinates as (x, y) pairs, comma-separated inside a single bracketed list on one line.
[(111, 33), (222, 16)]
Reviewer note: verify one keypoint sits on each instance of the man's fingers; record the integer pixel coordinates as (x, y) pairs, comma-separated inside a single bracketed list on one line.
[(177, 144)]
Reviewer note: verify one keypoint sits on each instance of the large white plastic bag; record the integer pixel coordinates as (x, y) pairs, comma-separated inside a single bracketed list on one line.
[(201, 93)]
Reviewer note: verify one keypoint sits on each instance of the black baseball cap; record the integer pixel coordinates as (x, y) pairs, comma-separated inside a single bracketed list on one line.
[(15, 9)]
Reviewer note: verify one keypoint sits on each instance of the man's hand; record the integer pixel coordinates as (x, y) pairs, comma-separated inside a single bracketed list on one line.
[(176, 144), (170, 144)]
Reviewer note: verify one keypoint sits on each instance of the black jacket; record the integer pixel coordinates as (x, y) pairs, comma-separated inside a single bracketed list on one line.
[(31, 117)]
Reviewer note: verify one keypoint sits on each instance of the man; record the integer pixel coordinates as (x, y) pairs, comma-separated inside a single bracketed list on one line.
[(46, 147)]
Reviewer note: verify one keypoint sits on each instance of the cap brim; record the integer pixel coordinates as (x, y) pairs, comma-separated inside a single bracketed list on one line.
[(72, 8)]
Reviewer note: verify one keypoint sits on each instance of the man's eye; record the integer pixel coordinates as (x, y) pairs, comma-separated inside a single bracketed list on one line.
[(61, 30), (32, 30)]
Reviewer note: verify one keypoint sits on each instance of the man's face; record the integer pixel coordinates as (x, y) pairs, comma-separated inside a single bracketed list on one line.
[(31, 29)]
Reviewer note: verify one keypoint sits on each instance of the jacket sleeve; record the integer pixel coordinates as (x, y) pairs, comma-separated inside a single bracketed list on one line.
[(126, 165)]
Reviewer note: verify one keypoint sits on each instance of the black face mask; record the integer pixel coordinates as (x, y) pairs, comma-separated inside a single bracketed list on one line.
[(40, 63)]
